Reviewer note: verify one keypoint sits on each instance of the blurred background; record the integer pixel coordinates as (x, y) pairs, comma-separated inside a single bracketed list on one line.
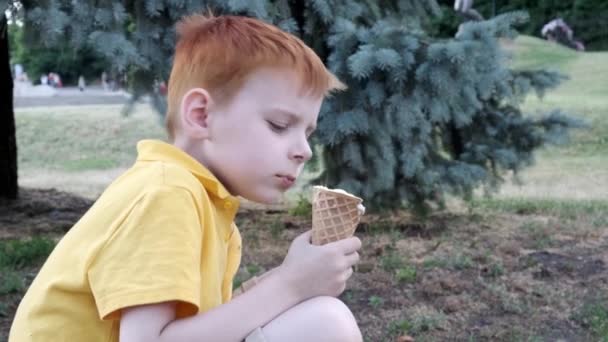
[(475, 131)]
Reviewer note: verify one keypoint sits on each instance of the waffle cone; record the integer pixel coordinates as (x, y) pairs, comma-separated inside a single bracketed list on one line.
[(335, 215)]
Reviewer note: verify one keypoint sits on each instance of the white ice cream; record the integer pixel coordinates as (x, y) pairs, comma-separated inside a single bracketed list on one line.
[(360, 206)]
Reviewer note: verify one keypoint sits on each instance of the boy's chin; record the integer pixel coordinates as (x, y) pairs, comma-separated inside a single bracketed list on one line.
[(265, 198)]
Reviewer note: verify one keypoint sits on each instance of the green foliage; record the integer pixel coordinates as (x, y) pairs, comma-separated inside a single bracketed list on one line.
[(15, 42), (425, 318), (460, 262), (239, 279), (399, 327), (585, 17), (457, 261), (302, 208), (16, 254), (431, 263), (391, 261), (63, 59), (423, 117), (406, 274), (276, 229), (538, 233), (426, 117), (253, 269), (4, 309), (347, 296), (594, 316), (10, 282), (375, 301), (496, 269)]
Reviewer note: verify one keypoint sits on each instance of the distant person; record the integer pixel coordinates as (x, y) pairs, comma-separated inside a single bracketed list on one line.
[(104, 81), (55, 80), (558, 31), (81, 83), (465, 9), (58, 82), (18, 71)]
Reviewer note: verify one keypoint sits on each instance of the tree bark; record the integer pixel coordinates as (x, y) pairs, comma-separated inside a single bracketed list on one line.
[(8, 142)]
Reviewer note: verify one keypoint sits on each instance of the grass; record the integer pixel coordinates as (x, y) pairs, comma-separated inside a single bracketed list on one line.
[(424, 318), (391, 261), (578, 169), (400, 327), (302, 207), (11, 282), (563, 208), (594, 316), (421, 319), (375, 301), (16, 254), (534, 53), (539, 234), (80, 149), (406, 274), (81, 138)]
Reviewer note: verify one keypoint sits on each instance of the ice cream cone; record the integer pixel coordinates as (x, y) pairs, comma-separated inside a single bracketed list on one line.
[(335, 214)]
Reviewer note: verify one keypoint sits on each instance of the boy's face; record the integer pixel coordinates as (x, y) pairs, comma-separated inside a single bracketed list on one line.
[(258, 142)]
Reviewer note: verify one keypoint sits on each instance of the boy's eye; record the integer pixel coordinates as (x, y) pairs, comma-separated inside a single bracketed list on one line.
[(277, 127)]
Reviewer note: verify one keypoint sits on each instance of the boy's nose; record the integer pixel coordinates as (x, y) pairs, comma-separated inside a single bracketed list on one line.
[(302, 153)]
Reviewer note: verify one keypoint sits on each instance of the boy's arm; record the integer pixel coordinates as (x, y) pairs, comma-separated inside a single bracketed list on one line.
[(232, 321), (247, 285), (307, 271)]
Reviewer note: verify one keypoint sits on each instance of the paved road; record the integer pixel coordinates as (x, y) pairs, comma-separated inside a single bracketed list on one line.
[(72, 97)]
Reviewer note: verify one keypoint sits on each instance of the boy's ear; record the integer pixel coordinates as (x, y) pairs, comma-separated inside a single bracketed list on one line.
[(195, 113)]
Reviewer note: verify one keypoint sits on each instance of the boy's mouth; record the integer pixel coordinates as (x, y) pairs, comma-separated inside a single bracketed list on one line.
[(286, 181)]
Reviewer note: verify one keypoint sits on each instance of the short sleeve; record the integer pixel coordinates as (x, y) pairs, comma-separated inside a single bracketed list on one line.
[(152, 256), (234, 260)]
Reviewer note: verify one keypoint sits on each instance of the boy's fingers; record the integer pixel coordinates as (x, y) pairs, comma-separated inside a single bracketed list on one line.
[(305, 236), (348, 245), (352, 259)]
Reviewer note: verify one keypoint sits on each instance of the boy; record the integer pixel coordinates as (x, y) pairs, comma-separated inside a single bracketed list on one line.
[(155, 256)]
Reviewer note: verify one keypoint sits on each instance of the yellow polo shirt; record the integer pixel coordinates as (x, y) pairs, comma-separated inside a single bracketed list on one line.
[(163, 231)]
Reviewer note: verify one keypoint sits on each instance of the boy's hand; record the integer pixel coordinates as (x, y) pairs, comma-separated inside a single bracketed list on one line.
[(319, 270)]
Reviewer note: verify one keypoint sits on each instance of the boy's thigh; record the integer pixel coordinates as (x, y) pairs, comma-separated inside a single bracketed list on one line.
[(317, 319), (256, 336)]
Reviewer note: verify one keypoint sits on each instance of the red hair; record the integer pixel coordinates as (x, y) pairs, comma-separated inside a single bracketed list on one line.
[(218, 53)]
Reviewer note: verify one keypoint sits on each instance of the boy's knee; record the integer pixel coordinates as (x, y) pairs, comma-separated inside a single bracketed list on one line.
[(336, 319)]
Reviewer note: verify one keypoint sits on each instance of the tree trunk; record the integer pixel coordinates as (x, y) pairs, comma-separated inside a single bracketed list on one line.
[(8, 143)]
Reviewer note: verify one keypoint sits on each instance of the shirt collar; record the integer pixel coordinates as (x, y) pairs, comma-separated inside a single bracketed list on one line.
[(156, 150)]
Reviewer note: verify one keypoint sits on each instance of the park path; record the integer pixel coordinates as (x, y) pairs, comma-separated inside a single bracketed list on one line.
[(71, 96)]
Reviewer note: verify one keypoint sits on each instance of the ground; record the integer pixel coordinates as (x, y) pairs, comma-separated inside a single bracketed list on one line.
[(482, 275), (529, 264)]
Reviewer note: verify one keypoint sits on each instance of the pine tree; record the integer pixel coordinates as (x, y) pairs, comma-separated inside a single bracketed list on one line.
[(423, 117)]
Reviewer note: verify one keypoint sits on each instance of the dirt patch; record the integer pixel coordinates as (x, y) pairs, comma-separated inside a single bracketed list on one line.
[(553, 265), (482, 277), (39, 212)]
